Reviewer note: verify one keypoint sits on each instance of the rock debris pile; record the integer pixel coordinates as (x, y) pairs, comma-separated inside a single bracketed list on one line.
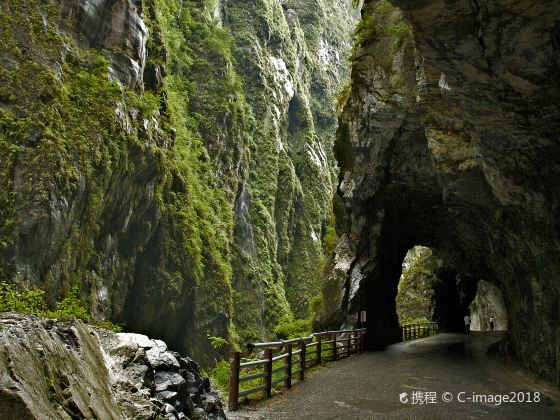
[(59, 369)]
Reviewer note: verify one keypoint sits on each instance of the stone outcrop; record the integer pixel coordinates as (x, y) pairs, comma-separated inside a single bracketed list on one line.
[(449, 139), (119, 28), (52, 369)]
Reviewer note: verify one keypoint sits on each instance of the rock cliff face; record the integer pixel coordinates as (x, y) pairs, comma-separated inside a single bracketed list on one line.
[(172, 158), (449, 139), (60, 370), (292, 57), (488, 302)]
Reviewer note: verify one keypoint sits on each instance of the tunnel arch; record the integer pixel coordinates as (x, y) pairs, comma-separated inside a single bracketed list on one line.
[(465, 167)]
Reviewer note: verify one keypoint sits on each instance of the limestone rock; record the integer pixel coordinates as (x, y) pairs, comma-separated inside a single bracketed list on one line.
[(65, 369)]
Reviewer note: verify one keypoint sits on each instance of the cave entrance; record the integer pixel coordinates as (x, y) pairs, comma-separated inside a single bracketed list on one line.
[(430, 291), (412, 283)]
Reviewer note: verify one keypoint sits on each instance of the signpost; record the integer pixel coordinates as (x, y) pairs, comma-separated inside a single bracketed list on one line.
[(362, 318)]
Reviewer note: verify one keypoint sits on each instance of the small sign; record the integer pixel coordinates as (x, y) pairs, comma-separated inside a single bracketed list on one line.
[(362, 316)]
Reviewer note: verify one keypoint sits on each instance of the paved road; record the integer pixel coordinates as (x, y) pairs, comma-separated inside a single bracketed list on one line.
[(369, 386)]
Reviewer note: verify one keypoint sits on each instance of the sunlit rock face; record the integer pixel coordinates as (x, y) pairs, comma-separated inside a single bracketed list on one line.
[(488, 303), (449, 139), (113, 25)]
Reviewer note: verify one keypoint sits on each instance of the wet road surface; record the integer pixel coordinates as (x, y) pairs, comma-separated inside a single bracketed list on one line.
[(424, 373)]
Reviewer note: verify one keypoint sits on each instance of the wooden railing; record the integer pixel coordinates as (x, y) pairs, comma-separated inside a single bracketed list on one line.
[(419, 330), (294, 353)]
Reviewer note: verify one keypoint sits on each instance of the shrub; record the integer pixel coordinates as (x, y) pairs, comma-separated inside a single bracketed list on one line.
[(70, 307), (400, 31), (365, 30), (288, 327), (33, 301), (217, 342)]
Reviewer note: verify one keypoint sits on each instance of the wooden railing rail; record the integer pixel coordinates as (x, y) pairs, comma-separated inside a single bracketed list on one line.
[(419, 330), (322, 346)]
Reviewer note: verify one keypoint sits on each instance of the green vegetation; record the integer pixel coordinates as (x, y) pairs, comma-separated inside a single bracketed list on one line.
[(401, 31), (380, 19), (58, 120), (288, 327), (290, 181), (329, 240), (384, 7), (220, 376), (417, 320), (107, 325), (343, 97), (156, 182), (365, 30), (217, 342), (32, 301)]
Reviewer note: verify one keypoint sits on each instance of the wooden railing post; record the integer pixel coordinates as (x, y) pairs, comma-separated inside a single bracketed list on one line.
[(302, 360), (419, 330), (353, 341), (288, 380), (233, 397), (268, 371), (318, 349), (360, 344)]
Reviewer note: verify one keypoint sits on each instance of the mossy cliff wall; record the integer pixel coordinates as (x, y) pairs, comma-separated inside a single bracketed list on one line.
[(170, 157), (292, 57), (449, 139)]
